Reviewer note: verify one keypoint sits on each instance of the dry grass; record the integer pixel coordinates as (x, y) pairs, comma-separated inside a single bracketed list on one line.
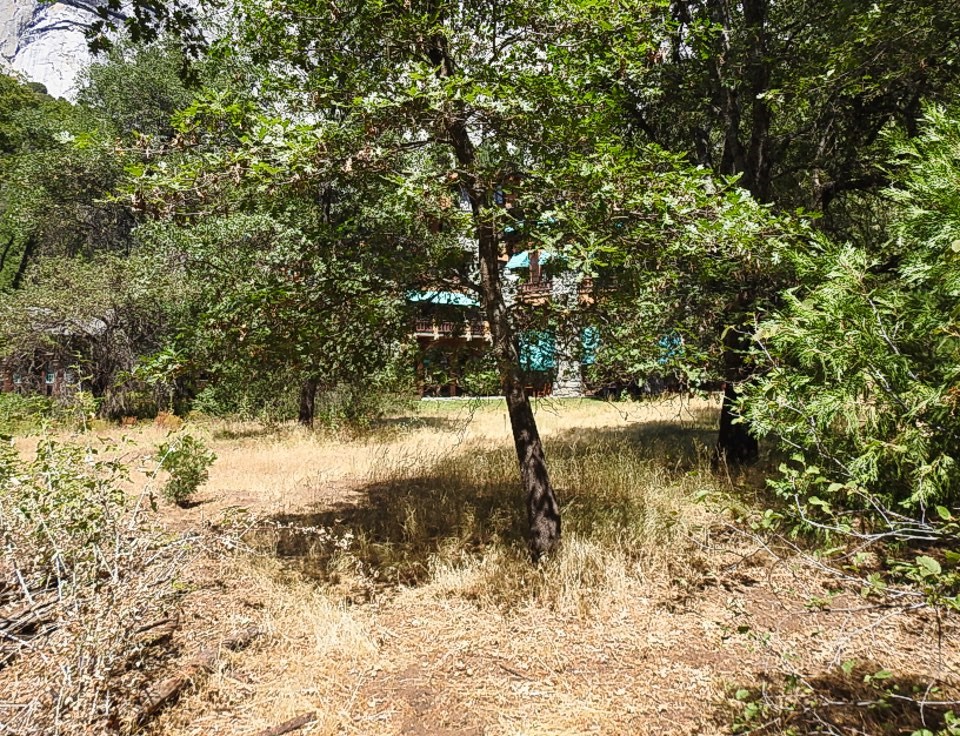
[(390, 572)]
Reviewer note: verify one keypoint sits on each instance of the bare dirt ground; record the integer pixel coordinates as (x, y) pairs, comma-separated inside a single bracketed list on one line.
[(477, 642)]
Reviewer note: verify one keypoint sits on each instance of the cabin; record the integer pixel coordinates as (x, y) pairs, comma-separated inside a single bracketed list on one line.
[(453, 340), (46, 364), (451, 335)]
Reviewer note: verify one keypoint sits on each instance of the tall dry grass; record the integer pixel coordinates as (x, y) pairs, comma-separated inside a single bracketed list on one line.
[(439, 504), (389, 572)]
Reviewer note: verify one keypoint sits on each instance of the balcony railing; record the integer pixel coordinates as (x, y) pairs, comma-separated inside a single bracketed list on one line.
[(544, 288), (471, 329), (540, 288)]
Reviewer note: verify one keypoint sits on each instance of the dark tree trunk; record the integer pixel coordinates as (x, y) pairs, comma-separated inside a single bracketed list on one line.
[(543, 511), (735, 444), (308, 400), (6, 250), (28, 249), (758, 160)]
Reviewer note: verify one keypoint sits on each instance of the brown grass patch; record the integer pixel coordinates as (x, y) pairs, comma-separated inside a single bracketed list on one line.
[(391, 575)]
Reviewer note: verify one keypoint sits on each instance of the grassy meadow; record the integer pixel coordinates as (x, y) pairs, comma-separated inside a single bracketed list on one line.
[(388, 575)]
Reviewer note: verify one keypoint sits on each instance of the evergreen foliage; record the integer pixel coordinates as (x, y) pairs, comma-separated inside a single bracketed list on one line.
[(861, 365)]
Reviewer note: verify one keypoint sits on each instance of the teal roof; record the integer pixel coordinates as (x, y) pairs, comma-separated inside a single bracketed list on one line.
[(522, 260), (447, 298)]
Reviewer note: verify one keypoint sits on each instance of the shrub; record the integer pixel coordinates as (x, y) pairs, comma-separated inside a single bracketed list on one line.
[(80, 564), (20, 414), (187, 460), (861, 364)]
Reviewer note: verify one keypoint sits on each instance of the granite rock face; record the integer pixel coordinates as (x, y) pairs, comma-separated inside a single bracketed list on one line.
[(45, 42)]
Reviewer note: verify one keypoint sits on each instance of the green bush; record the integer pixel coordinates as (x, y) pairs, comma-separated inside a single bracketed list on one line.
[(269, 397), (187, 460), (22, 414), (861, 366)]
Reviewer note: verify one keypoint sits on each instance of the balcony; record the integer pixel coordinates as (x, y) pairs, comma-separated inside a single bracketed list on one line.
[(544, 289), (540, 288), (474, 329)]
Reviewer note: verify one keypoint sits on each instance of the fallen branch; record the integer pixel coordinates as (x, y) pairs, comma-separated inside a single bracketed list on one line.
[(159, 631), (294, 724), (23, 624), (203, 663), (27, 618)]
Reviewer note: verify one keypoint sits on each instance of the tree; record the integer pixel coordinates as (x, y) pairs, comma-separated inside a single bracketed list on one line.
[(860, 366), (55, 173), (74, 286), (280, 296), (445, 102), (137, 90), (790, 97), (677, 255)]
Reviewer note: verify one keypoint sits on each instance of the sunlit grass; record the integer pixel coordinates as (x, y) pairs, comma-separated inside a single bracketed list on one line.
[(453, 516)]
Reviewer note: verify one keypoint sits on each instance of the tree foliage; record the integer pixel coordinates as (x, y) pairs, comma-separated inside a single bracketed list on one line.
[(862, 363)]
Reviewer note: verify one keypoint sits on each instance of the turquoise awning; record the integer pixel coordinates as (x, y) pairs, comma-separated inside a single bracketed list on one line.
[(446, 298), (589, 342), (522, 260), (538, 351)]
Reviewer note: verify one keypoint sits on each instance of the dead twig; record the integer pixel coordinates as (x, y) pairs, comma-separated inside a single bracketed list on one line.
[(204, 663), (294, 724), (27, 622), (158, 631)]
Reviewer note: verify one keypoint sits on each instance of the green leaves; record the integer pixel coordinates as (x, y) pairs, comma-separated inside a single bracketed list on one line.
[(861, 360), (928, 566), (186, 461)]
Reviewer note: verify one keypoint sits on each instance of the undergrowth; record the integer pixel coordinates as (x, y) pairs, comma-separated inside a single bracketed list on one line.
[(84, 578)]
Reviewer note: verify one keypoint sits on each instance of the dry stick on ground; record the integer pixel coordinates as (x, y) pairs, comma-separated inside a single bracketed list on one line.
[(204, 662), (294, 724), (24, 623), (158, 631)]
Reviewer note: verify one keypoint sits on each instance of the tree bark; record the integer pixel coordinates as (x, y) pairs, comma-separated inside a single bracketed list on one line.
[(308, 400), (758, 160), (736, 444), (543, 510)]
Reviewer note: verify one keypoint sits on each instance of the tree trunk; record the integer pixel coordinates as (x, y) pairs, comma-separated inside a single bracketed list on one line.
[(735, 444), (757, 176), (308, 399), (28, 248), (543, 511)]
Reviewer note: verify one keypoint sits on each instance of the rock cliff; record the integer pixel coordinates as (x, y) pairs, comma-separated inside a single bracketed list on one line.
[(45, 42)]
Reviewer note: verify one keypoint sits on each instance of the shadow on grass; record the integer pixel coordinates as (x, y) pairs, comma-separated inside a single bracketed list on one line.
[(626, 492), (865, 700), (246, 432), (672, 446), (397, 527)]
